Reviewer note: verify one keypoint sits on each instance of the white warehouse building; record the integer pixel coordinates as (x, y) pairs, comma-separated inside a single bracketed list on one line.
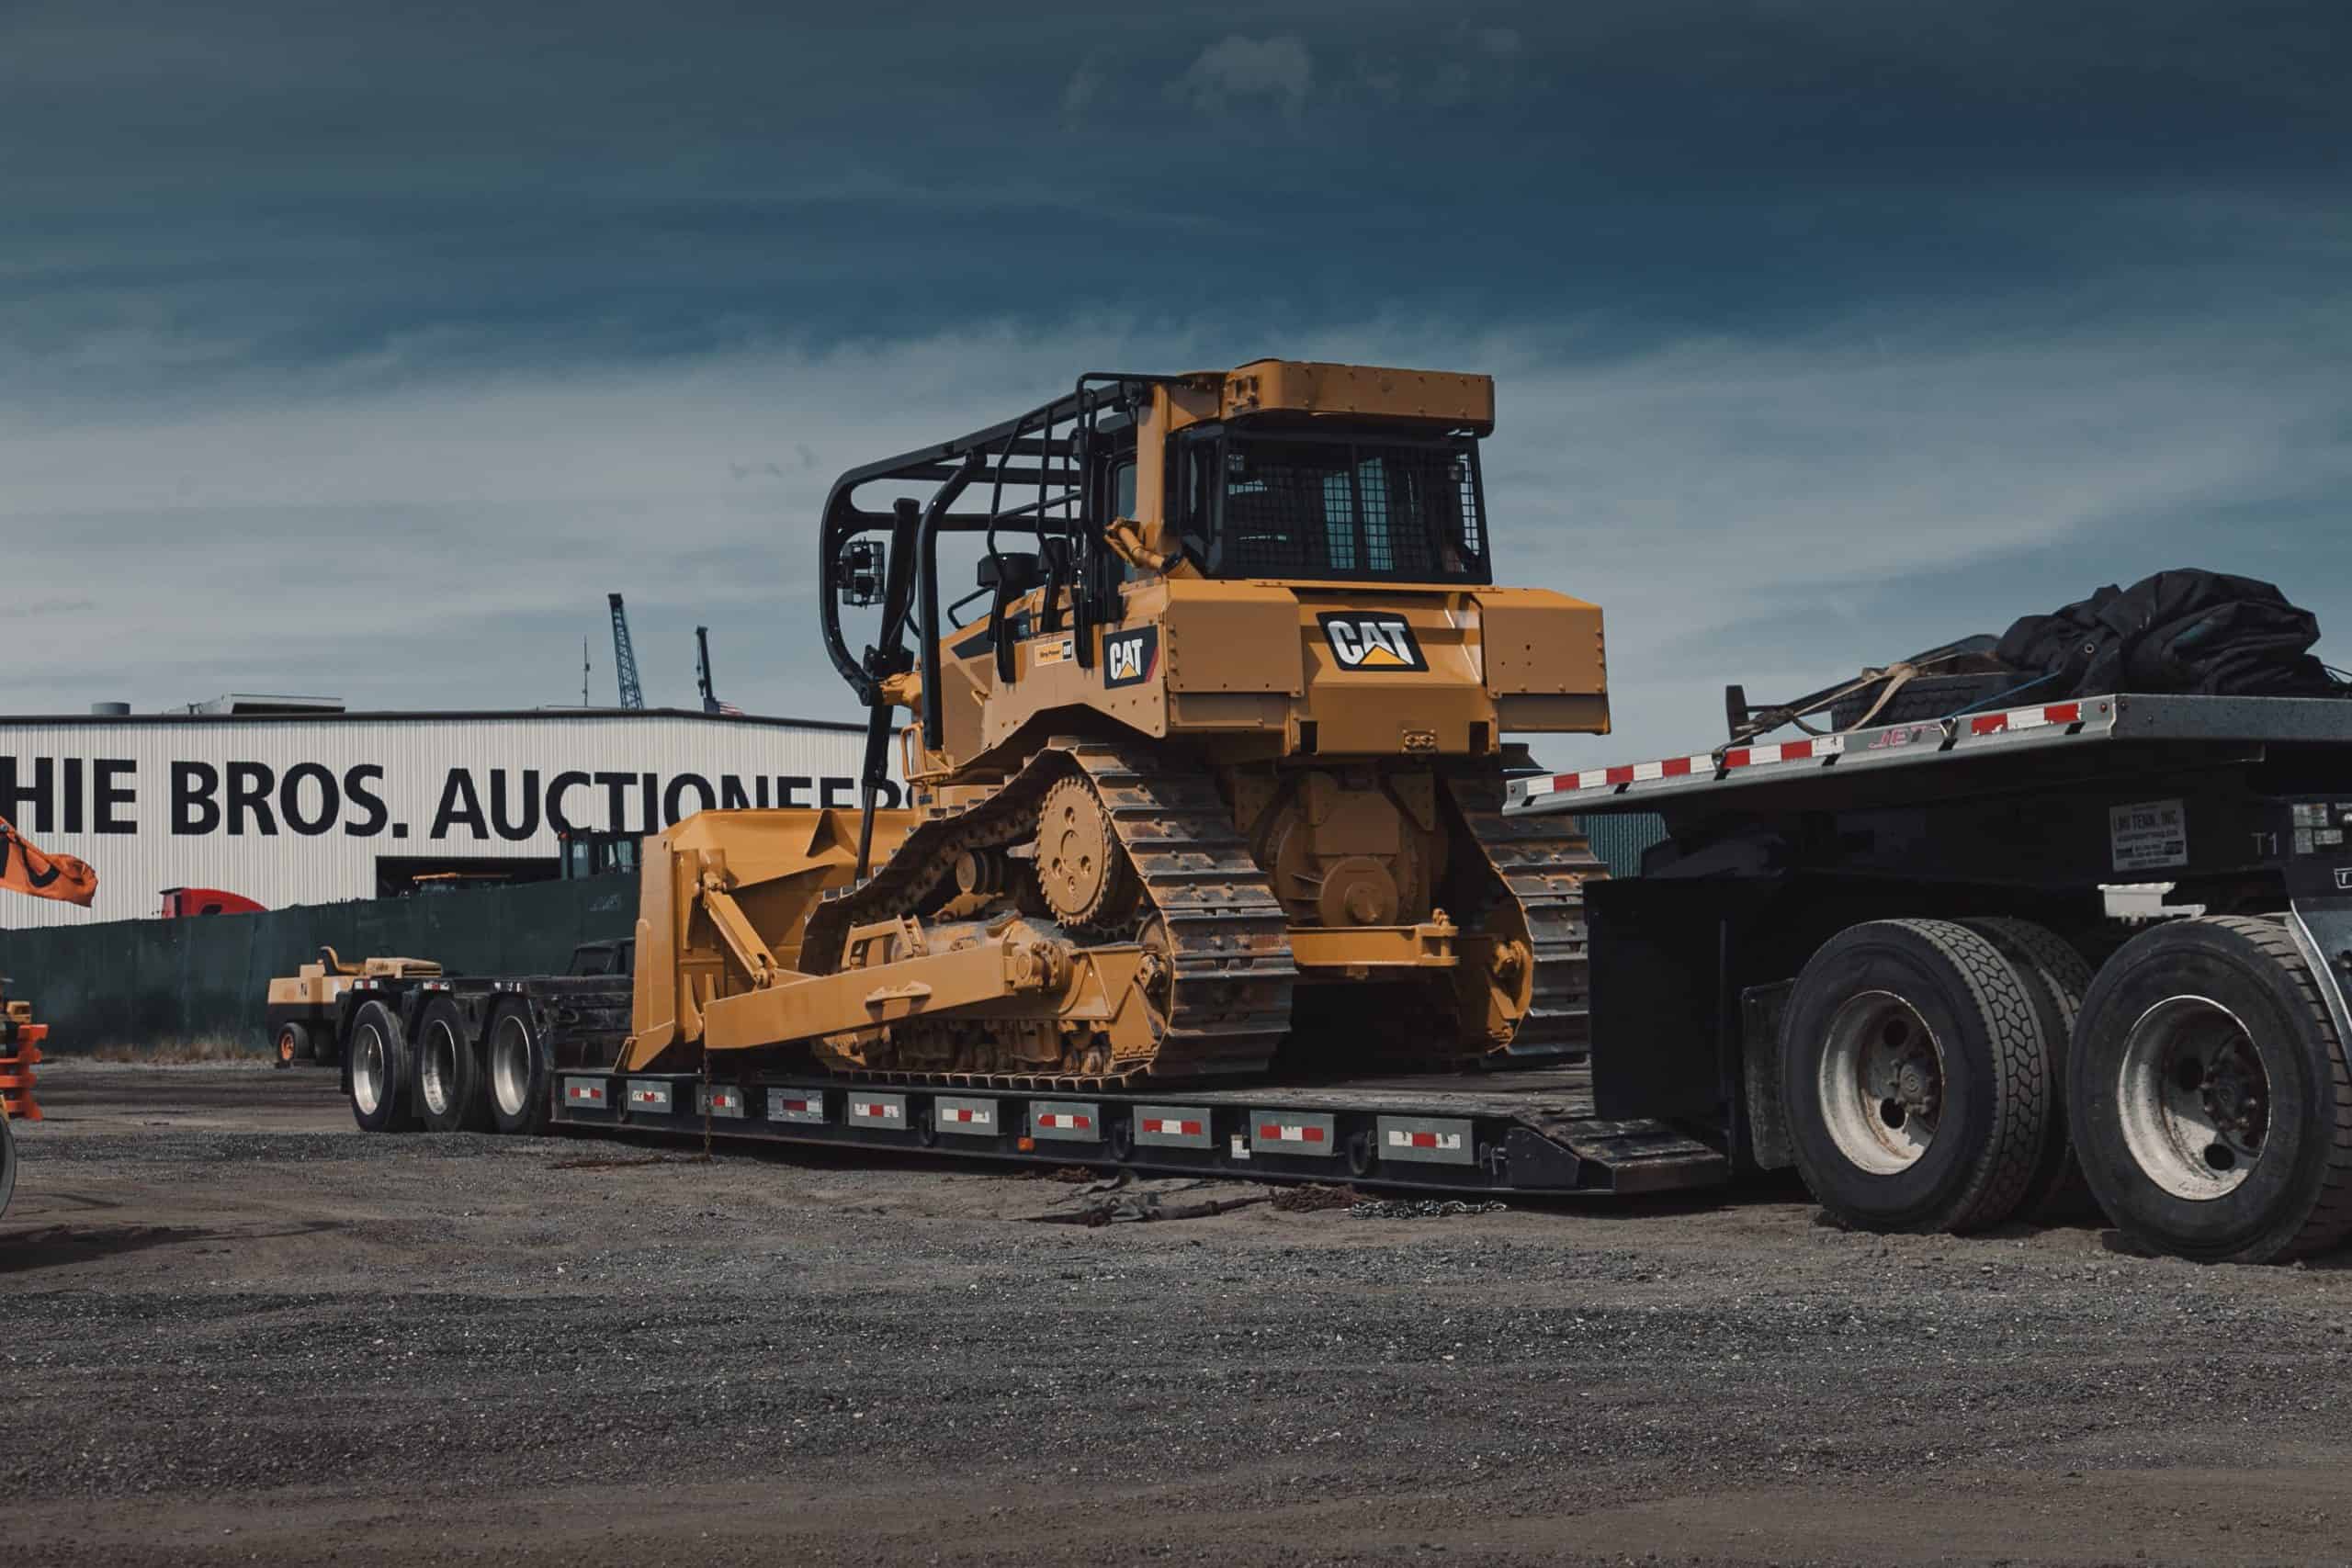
[(273, 802)]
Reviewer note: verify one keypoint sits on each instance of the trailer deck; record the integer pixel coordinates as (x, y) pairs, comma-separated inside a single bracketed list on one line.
[(1530, 1131)]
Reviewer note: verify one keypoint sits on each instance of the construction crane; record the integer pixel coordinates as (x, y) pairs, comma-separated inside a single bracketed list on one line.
[(710, 704), (625, 656)]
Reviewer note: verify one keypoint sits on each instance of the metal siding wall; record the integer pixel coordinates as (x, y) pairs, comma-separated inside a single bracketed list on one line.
[(417, 755), (1620, 839)]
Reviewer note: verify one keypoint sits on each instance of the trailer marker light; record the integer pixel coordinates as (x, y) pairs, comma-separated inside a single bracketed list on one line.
[(804, 1105), (954, 1113), (1173, 1126), (1428, 1140), (1068, 1121)]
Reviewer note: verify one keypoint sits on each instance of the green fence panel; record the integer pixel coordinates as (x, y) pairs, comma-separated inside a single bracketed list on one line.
[(147, 982)]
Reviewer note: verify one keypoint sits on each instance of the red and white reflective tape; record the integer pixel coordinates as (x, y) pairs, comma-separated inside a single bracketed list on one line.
[(1402, 1140), (1171, 1127), (1288, 1133), (2025, 719), (655, 1097), (1817, 749), (583, 1093), (962, 1114), (874, 1111), (1063, 1118), (804, 1103)]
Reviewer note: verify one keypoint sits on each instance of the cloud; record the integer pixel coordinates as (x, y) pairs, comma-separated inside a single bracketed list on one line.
[(1241, 70), (1772, 511), (1086, 85)]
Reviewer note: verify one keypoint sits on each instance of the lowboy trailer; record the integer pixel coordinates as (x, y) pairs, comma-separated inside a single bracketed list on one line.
[(1880, 957)]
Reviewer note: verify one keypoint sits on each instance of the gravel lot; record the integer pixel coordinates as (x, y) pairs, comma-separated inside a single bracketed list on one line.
[(239, 1331)]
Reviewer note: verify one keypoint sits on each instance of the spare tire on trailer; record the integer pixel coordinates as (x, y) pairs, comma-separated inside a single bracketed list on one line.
[(520, 1075), (2211, 1103), (378, 1072), (450, 1094), (1915, 1077)]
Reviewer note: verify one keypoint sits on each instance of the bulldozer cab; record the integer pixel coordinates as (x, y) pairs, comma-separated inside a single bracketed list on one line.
[(1282, 472)]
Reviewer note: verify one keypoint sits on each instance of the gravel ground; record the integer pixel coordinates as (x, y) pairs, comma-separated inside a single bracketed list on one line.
[(239, 1331)]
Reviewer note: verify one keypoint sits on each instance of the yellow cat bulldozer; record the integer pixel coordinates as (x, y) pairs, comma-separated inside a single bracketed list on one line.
[(1211, 760)]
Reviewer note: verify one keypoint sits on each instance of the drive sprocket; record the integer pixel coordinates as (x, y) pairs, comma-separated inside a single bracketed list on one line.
[(1083, 868)]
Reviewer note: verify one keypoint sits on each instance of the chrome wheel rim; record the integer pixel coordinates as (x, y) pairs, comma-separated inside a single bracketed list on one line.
[(1882, 1083), (510, 1066), (437, 1068), (366, 1069), (2194, 1097)]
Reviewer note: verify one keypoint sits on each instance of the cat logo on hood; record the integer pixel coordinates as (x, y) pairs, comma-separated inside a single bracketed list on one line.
[(1361, 641)]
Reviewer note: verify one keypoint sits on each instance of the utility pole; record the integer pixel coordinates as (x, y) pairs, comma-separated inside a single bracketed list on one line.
[(583, 671)]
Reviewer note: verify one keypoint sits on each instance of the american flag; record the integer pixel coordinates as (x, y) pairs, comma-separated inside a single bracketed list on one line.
[(730, 710)]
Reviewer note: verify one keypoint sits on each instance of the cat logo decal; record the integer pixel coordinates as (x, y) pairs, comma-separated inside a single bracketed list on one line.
[(1129, 658), (1361, 641)]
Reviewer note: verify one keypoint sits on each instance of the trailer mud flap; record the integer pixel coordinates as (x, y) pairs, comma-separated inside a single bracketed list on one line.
[(1760, 1010)]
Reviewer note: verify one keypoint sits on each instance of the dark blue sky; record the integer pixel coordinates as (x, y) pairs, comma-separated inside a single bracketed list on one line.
[(1824, 330)]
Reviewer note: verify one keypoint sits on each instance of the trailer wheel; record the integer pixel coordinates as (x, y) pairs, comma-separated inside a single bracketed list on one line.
[(294, 1044), (2212, 1112), (2056, 975), (379, 1071), (519, 1072), (450, 1094), (1916, 1076)]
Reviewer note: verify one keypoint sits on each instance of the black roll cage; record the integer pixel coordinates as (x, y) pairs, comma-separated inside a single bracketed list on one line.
[(1047, 455)]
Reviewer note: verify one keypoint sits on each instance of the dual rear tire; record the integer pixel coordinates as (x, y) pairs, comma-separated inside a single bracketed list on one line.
[(1917, 1077), (2211, 1108), (1944, 1076), (429, 1075)]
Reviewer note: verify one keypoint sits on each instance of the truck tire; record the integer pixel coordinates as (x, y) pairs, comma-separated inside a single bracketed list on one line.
[(294, 1044), (450, 1094), (2211, 1108), (519, 1073), (7, 1162), (2056, 975), (1922, 699), (381, 1076), (1914, 1075)]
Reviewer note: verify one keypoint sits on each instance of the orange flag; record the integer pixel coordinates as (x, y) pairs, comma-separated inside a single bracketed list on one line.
[(26, 870)]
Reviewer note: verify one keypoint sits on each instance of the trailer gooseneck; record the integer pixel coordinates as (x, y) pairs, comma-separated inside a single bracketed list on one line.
[(1880, 957)]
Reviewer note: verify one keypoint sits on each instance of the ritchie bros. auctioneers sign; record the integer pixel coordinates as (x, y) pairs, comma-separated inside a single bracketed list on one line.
[(192, 799), (302, 811)]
